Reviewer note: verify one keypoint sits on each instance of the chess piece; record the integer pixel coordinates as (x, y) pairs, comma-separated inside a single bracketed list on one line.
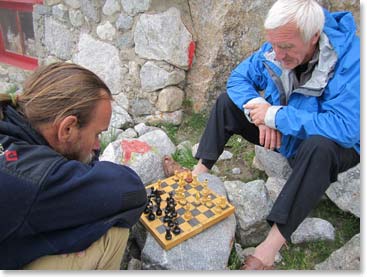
[(176, 230), (159, 210), (197, 199), (188, 178), (168, 234), (158, 186), (222, 202), (209, 202), (217, 208), (187, 214), (182, 200), (170, 223), (151, 215), (149, 207)]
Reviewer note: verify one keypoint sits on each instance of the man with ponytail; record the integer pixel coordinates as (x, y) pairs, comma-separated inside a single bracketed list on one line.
[(61, 208)]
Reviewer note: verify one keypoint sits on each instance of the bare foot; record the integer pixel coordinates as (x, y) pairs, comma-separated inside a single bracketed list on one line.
[(170, 166)]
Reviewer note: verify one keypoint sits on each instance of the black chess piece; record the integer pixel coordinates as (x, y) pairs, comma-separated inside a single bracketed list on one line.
[(167, 217), (170, 223), (168, 234), (151, 215), (149, 207), (159, 210), (176, 230)]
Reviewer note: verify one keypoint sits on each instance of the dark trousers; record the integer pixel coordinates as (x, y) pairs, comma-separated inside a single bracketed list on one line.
[(315, 166)]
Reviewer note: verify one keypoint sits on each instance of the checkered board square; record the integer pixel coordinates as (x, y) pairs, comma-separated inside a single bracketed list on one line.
[(202, 216)]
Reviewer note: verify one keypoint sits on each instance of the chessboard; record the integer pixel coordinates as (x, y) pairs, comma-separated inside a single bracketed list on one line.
[(181, 207)]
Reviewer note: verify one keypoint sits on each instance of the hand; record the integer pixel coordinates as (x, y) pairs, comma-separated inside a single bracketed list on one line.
[(258, 112), (269, 138)]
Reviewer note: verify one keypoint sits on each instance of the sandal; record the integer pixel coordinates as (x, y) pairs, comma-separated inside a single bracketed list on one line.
[(170, 166)]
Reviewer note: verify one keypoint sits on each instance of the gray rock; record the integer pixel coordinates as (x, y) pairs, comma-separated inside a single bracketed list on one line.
[(144, 154), (76, 18), (60, 12), (208, 250), (154, 77), (160, 142), (226, 155), (141, 107), (236, 171), (133, 7), (275, 164), (91, 9), (142, 129), (106, 31), (59, 40), (163, 37), (124, 22), (134, 264), (274, 186), (252, 205), (313, 229), (345, 192), (174, 118), (120, 118), (170, 99), (121, 100), (345, 258), (128, 133), (75, 4), (110, 7), (126, 40), (102, 58)]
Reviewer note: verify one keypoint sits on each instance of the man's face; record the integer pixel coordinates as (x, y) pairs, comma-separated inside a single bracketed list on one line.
[(289, 47), (82, 149)]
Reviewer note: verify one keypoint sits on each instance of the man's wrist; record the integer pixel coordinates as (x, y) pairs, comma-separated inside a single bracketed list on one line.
[(270, 116)]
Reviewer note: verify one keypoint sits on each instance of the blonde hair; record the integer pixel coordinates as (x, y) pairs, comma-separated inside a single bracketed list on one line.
[(59, 90), (307, 14)]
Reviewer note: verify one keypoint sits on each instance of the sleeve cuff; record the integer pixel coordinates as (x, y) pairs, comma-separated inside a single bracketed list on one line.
[(270, 116), (256, 100)]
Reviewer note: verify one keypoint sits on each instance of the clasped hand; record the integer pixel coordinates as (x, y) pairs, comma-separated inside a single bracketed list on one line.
[(268, 137)]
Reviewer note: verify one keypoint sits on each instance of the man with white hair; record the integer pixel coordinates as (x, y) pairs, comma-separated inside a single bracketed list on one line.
[(297, 95)]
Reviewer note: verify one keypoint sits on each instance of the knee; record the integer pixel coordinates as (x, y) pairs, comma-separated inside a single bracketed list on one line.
[(319, 145), (223, 100)]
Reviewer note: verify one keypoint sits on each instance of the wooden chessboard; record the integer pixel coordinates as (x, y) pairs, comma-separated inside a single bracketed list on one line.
[(202, 216)]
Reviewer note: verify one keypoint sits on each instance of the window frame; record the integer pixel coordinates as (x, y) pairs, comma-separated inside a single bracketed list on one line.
[(12, 58)]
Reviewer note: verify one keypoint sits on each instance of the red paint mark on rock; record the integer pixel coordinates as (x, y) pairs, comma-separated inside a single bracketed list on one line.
[(191, 52), (133, 146)]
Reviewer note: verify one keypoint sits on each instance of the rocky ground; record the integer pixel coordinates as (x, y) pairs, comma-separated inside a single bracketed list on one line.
[(234, 236)]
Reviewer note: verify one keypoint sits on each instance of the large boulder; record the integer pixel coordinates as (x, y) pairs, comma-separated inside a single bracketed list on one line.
[(143, 154), (313, 229), (252, 204), (347, 257), (208, 250), (163, 37), (345, 192)]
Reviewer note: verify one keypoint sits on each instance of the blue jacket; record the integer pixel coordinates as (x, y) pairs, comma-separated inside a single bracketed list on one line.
[(51, 205), (328, 105)]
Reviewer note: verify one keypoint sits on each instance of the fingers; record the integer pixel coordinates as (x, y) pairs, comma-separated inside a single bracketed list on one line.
[(262, 134), (269, 138), (279, 139)]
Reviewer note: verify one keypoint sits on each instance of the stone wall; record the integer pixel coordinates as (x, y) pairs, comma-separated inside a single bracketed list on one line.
[(153, 54)]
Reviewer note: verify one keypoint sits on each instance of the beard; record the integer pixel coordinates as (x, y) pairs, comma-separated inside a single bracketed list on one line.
[(73, 152)]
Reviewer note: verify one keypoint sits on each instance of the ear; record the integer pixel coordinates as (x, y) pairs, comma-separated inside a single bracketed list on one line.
[(315, 38), (68, 129)]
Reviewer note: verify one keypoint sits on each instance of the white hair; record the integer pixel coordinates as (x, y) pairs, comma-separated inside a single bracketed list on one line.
[(307, 14)]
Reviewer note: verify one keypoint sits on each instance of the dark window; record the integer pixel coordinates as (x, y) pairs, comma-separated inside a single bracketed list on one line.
[(17, 42)]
